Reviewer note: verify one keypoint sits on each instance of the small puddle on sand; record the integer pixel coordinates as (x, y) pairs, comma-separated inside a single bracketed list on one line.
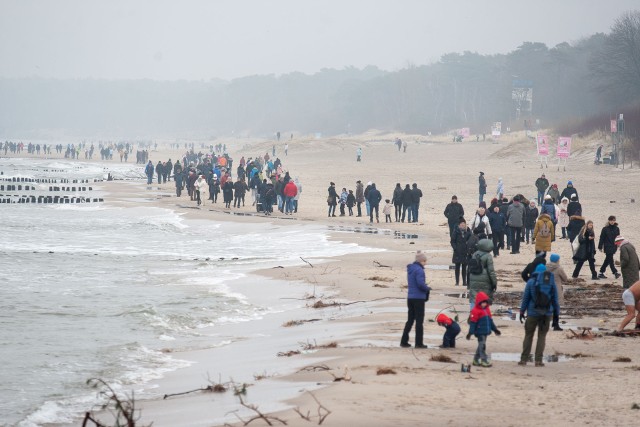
[(440, 267), (515, 357), (373, 230), (460, 295)]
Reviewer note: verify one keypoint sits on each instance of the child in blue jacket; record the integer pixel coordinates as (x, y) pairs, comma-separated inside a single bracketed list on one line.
[(481, 324)]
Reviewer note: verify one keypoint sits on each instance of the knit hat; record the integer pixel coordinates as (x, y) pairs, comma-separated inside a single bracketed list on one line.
[(540, 268), (619, 239), (555, 258), (569, 183)]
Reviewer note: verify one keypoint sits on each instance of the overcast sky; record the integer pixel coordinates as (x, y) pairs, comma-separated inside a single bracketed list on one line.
[(204, 39)]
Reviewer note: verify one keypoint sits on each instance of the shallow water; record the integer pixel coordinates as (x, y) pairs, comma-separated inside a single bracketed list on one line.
[(99, 291)]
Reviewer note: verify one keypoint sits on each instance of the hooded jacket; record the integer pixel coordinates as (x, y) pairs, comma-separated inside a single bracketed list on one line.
[(374, 196), (607, 239), (530, 216), (486, 281), (290, 189), (359, 193), (568, 192), (560, 277), (629, 264), (497, 221), (480, 320), (459, 244), (548, 287), (576, 223), (563, 217), (587, 249), (417, 286), (543, 243)]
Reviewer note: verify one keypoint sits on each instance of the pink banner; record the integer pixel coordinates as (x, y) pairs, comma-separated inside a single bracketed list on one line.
[(464, 132), (543, 145), (564, 147), (614, 126)]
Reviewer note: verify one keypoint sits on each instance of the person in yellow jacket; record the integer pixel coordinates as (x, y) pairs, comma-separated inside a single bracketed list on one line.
[(543, 233)]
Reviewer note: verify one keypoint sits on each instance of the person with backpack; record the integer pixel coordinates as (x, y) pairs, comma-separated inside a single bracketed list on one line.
[(607, 243), (539, 305), (530, 216), (459, 241), (482, 276), (543, 233), (550, 208)]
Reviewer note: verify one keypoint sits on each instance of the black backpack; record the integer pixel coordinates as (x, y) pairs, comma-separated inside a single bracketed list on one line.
[(542, 302), (475, 265)]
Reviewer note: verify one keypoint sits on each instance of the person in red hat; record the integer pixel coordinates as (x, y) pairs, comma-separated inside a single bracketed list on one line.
[(481, 325), (453, 329)]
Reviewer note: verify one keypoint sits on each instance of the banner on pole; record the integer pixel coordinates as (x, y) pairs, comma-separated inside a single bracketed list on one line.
[(614, 126), (564, 147), (464, 132), (543, 145)]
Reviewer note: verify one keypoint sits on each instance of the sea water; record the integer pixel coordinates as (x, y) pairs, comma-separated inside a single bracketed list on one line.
[(97, 291)]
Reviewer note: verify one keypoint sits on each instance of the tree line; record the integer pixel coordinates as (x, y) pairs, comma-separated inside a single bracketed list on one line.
[(592, 76)]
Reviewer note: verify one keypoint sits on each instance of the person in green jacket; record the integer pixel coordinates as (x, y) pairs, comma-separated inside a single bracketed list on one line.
[(486, 281)]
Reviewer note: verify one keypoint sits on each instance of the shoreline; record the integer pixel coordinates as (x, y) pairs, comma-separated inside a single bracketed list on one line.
[(561, 393)]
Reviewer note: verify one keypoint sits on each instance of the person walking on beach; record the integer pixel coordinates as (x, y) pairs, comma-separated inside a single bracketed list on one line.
[(607, 243), (359, 154), (374, 202), (214, 188), (498, 224), (366, 198), (539, 305), (542, 184), (500, 189), (481, 324), (629, 262), (227, 193), (631, 300), (451, 332), (569, 191), (359, 196), (482, 277), (530, 218), (148, 170), (159, 171), (417, 296), (554, 193), (397, 201), (351, 201), (482, 187), (290, 191), (515, 220), (459, 241), (407, 199), (481, 219), (560, 278), (177, 177), (332, 199), (563, 217), (453, 212), (543, 233), (343, 201), (586, 251), (386, 210), (296, 198), (416, 195)]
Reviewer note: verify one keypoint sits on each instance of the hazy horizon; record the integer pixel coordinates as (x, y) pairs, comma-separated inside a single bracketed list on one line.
[(204, 40)]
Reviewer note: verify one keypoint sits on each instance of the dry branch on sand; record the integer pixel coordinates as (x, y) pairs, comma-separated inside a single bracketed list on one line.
[(622, 359), (122, 409), (385, 371), (379, 279), (322, 412)]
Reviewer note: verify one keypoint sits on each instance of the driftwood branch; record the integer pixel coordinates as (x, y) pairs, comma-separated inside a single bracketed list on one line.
[(377, 264), (269, 419), (323, 412), (306, 262)]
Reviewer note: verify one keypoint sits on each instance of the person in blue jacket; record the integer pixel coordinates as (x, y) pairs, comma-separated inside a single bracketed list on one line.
[(417, 296), (539, 306), (149, 172), (481, 324)]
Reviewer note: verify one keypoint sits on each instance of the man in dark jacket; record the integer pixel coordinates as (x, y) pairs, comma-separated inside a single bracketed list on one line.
[(359, 196), (374, 202), (407, 199), (159, 171), (417, 295), (397, 201), (416, 195), (459, 239), (454, 211), (574, 207), (515, 220), (607, 243), (482, 186), (332, 200), (569, 191), (541, 185), (498, 223)]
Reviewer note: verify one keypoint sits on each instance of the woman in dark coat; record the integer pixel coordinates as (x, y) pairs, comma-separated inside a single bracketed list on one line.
[(227, 192), (586, 251), (459, 244)]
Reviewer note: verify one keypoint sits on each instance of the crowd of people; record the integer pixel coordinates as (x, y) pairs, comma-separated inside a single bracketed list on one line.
[(512, 222), (206, 175)]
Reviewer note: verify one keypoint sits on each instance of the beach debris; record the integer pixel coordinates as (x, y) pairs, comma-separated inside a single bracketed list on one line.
[(465, 368), (345, 377), (240, 390), (626, 333), (322, 411), (262, 376), (377, 264), (122, 409), (309, 346), (378, 285), (322, 304), (306, 262), (635, 406), (385, 371), (288, 353), (586, 334), (298, 322), (441, 358), (315, 368), (269, 419), (622, 359), (218, 387), (380, 279)]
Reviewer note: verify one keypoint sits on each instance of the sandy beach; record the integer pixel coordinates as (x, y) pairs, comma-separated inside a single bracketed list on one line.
[(365, 296)]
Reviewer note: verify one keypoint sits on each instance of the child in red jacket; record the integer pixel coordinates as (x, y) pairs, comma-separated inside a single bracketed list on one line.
[(481, 324), (453, 329)]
